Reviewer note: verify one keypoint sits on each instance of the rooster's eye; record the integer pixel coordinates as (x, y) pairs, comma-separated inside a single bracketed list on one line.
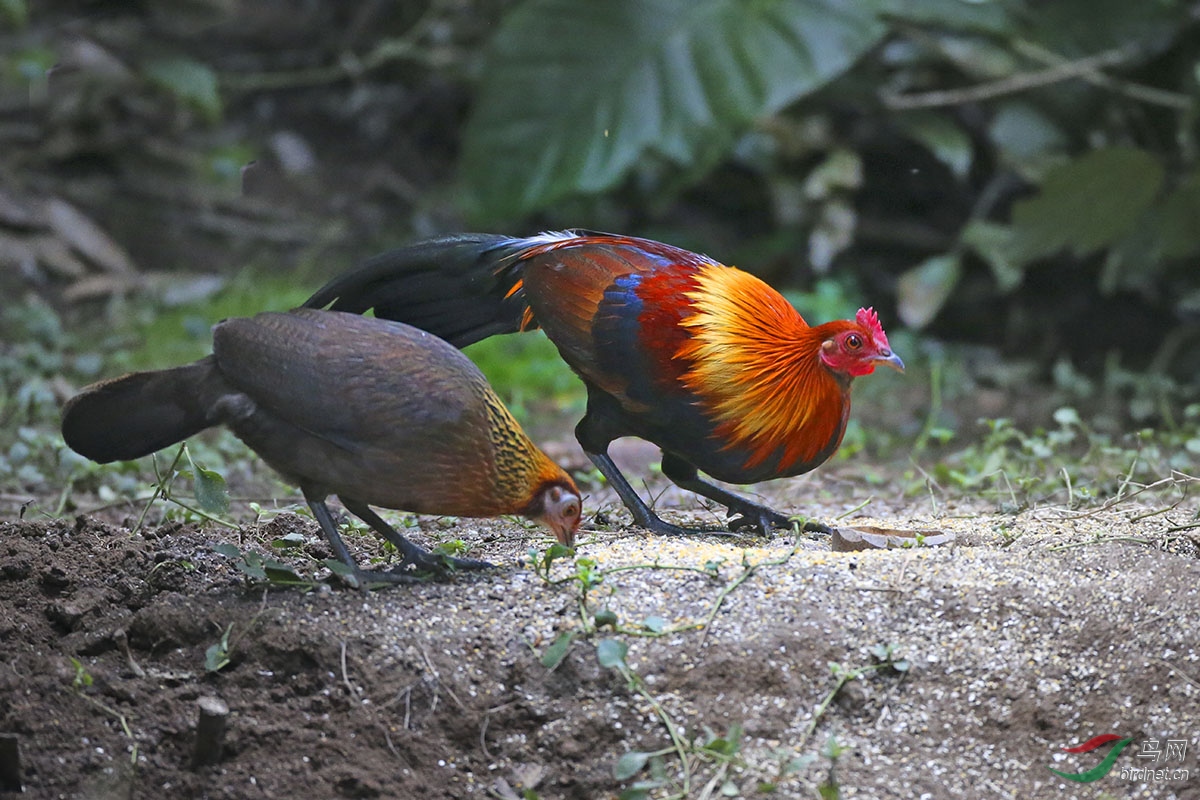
[(854, 341)]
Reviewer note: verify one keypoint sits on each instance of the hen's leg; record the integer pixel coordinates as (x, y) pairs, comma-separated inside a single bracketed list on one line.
[(360, 578), (412, 554)]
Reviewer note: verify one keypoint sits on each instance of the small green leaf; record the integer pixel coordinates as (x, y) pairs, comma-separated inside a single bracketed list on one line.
[(227, 549), (211, 494), (555, 552), (630, 764), (727, 746), (829, 790), (451, 547), (294, 539), (993, 243), (654, 624), (194, 83), (558, 649), (948, 142), (799, 763), (841, 170), (1026, 137), (215, 658), (924, 289), (341, 569), (83, 678), (611, 653), (34, 64), (251, 568), (1068, 417), (607, 617), (279, 572)]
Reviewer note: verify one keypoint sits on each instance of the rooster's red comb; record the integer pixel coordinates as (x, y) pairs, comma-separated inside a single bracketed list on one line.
[(867, 318)]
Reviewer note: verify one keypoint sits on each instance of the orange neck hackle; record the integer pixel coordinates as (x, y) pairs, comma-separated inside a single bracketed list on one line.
[(755, 365)]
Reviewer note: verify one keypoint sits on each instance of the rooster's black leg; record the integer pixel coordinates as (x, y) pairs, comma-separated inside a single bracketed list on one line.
[(642, 515), (419, 557), (750, 514)]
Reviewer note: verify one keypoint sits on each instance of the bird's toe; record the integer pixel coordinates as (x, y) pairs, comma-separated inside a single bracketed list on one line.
[(436, 563)]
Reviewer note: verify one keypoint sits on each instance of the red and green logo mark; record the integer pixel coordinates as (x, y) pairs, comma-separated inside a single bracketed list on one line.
[(1104, 767)]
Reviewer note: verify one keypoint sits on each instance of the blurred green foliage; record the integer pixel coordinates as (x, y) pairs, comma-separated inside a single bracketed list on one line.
[(998, 168), (1010, 172)]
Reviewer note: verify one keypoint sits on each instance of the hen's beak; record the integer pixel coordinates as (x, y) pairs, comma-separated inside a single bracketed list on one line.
[(890, 359), (562, 514)]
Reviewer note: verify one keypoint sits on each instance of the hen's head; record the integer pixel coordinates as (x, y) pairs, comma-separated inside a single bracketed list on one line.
[(557, 505), (855, 347)]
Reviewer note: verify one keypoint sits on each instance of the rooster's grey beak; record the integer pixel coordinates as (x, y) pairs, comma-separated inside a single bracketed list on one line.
[(891, 359)]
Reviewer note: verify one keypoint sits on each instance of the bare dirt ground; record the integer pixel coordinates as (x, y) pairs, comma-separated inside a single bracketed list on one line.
[(1027, 634)]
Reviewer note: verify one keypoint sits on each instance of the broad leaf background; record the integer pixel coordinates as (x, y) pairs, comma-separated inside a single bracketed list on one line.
[(574, 94)]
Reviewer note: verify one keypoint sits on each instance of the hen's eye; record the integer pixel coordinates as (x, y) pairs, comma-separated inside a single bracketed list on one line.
[(854, 341)]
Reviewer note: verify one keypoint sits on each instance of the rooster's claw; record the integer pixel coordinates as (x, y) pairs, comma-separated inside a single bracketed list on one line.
[(764, 520)]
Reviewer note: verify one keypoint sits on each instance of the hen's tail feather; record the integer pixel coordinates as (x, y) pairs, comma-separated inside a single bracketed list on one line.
[(461, 288), (136, 414)]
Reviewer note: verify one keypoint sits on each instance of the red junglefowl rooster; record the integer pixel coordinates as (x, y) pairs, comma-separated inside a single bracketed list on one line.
[(706, 361), (375, 412)]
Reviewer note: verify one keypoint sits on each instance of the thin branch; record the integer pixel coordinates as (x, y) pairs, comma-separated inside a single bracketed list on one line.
[(1177, 671), (1134, 91), (350, 65), (1013, 84), (345, 676)]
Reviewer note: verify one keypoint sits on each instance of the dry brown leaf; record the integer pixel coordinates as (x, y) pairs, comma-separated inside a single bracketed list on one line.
[(100, 286), (87, 238), (870, 537)]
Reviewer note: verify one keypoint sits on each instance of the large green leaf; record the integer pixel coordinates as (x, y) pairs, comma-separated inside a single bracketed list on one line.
[(1086, 204), (1078, 28), (575, 94), (1178, 220)]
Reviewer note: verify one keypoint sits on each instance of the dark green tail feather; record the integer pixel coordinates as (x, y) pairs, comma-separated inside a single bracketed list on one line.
[(455, 287), (137, 414)]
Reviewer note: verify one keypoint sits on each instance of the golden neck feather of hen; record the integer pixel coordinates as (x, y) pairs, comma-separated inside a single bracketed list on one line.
[(522, 469)]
